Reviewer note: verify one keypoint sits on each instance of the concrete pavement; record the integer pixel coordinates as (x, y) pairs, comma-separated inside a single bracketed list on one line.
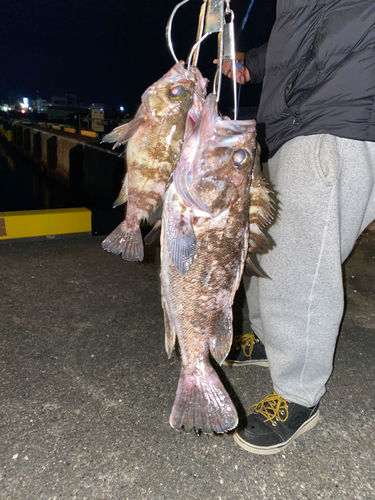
[(86, 389)]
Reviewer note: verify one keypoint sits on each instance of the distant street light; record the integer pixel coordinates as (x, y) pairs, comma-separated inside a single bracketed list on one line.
[(122, 108)]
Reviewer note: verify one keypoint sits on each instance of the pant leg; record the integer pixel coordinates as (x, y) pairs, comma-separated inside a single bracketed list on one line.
[(325, 186)]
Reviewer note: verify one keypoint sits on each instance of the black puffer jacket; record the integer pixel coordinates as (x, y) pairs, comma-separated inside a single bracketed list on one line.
[(319, 71)]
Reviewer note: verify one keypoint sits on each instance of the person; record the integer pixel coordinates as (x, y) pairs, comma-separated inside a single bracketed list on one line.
[(318, 109)]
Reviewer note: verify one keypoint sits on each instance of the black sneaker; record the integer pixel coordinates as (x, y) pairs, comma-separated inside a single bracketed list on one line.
[(247, 350), (274, 423)]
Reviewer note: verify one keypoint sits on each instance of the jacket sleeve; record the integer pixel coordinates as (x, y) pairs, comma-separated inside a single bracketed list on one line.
[(255, 62)]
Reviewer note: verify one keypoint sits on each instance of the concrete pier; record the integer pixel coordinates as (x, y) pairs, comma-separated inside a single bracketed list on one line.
[(86, 389), (78, 162)]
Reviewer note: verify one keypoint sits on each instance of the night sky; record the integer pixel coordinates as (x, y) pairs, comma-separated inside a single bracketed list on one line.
[(107, 51)]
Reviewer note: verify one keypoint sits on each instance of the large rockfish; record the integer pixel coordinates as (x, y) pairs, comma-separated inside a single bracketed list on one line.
[(204, 242), (155, 137)]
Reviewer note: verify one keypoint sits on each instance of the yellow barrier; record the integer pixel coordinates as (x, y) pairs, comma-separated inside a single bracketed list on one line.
[(88, 133), (70, 130), (32, 223), (56, 127)]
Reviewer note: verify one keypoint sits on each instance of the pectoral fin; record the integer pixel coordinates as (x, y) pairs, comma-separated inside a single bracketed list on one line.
[(120, 135), (181, 241)]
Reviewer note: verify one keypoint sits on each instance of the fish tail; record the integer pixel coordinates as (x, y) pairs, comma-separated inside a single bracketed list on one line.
[(125, 240), (202, 403)]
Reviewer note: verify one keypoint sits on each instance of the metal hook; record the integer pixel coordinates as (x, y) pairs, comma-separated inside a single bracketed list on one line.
[(212, 20), (194, 48), (168, 29)]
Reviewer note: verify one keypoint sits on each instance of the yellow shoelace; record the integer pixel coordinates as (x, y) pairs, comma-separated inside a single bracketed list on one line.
[(242, 341), (273, 407)]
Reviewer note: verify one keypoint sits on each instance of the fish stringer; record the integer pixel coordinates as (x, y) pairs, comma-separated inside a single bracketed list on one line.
[(212, 19), (216, 14)]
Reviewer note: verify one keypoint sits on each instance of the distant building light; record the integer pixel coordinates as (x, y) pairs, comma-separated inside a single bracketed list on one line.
[(25, 103), (122, 108)]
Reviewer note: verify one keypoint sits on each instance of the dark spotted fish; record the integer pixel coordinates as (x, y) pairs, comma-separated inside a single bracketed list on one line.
[(261, 214), (154, 138), (204, 242)]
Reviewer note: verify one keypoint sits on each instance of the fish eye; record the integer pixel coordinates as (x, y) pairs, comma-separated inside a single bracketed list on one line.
[(241, 158), (177, 93)]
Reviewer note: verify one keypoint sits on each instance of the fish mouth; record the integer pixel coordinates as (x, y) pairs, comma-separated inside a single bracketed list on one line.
[(191, 199), (183, 175), (199, 98), (184, 184), (192, 119), (195, 177)]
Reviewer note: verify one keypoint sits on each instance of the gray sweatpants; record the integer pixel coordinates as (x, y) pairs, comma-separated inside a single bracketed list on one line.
[(326, 190)]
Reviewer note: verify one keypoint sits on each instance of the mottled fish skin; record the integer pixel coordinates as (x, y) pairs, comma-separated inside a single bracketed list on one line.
[(261, 215), (261, 207), (155, 138), (197, 294)]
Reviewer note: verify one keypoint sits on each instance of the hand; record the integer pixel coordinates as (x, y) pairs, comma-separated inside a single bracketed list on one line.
[(242, 74)]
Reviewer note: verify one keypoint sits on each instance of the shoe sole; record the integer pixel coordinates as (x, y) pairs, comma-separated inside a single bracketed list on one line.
[(254, 362), (270, 450)]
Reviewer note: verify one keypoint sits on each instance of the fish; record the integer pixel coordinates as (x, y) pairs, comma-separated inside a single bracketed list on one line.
[(204, 242), (261, 215), (261, 207), (154, 140)]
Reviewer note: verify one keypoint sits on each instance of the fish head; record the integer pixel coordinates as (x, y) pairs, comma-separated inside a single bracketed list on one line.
[(175, 100), (171, 94), (216, 161)]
